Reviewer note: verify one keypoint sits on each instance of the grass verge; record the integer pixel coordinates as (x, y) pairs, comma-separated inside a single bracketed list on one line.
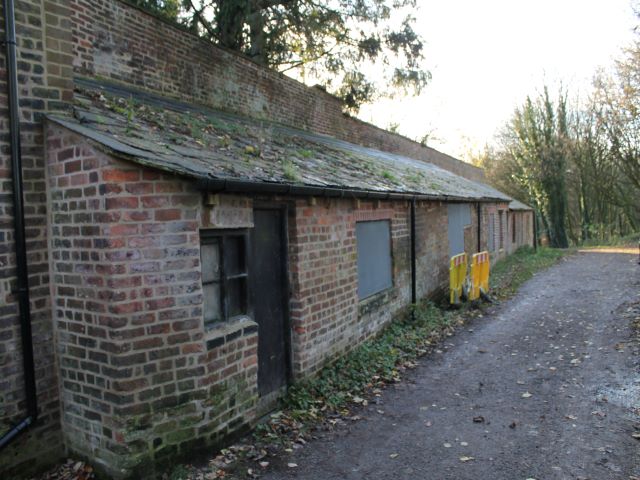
[(508, 274)]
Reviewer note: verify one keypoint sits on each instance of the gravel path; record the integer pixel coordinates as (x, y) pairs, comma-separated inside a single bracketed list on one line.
[(546, 386)]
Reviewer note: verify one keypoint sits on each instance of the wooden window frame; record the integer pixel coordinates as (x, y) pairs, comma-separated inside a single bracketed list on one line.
[(221, 237)]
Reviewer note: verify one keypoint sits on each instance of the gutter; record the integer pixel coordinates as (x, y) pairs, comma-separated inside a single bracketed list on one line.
[(219, 185), (22, 273)]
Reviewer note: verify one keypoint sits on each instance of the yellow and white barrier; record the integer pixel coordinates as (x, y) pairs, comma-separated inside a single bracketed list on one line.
[(480, 266), (457, 277)]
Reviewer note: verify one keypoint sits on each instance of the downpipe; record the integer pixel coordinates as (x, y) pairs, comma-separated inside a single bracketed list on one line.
[(22, 273), (414, 294)]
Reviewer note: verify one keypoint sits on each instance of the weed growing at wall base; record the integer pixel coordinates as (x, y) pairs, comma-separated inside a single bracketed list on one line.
[(374, 362)]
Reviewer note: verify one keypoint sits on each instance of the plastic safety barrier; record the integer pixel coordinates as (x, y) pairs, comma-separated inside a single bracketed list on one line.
[(480, 267), (457, 277)]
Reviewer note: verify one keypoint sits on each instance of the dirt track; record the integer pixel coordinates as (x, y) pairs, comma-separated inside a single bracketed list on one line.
[(551, 378)]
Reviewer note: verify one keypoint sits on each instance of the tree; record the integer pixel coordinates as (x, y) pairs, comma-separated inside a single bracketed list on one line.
[(337, 42), (168, 9), (536, 139)]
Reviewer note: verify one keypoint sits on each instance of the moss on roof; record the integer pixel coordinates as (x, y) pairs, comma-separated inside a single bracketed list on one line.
[(202, 143)]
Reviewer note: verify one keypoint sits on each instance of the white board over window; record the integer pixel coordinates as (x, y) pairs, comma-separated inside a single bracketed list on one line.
[(373, 241), (459, 217)]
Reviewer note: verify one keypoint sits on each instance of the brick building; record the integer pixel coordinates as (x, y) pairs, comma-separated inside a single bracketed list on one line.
[(201, 232)]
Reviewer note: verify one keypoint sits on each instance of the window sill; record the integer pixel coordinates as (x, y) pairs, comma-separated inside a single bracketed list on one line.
[(376, 301), (218, 334)]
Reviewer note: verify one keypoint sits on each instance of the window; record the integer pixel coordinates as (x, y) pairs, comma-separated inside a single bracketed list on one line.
[(492, 233), (501, 228), (373, 243), (459, 217), (223, 256)]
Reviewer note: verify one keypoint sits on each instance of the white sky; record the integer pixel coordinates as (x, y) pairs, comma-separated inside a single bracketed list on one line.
[(487, 56)]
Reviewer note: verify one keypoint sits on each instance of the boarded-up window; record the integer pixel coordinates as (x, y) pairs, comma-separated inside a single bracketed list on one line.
[(223, 257), (373, 241), (459, 215), (491, 234)]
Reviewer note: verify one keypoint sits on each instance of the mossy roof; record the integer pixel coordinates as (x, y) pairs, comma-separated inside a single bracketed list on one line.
[(206, 144), (516, 205)]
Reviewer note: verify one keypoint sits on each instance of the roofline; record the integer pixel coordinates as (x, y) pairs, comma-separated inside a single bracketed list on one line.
[(218, 185), (212, 184)]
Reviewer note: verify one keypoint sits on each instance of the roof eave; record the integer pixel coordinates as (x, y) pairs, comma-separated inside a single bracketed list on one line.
[(207, 183)]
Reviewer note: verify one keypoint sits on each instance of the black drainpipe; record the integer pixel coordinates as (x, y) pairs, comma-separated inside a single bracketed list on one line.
[(19, 231), (413, 251), (479, 215)]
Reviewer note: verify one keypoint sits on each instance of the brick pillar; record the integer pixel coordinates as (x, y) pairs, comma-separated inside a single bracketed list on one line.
[(142, 382), (45, 78)]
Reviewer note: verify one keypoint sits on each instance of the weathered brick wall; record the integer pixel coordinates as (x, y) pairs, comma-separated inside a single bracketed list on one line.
[(523, 223), (116, 41), (45, 78), (432, 248), (494, 209), (142, 381), (327, 317)]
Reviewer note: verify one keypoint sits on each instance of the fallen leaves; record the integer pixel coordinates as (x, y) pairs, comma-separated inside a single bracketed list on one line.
[(70, 470), (478, 419), (526, 395), (466, 459)]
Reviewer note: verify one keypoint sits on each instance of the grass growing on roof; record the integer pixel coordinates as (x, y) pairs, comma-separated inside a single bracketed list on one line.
[(290, 171)]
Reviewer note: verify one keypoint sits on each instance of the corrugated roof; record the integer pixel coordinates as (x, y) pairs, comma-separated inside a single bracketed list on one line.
[(205, 144), (516, 205)]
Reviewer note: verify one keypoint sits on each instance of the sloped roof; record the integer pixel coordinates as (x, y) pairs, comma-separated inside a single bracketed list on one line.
[(222, 148), (516, 205)]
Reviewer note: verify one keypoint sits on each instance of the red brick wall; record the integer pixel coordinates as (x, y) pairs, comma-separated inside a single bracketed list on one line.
[(495, 208), (45, 78), (141, 379), (524, 229), (119, 42)]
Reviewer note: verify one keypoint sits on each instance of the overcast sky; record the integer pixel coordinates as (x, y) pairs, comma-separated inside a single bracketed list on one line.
[(487, 56)]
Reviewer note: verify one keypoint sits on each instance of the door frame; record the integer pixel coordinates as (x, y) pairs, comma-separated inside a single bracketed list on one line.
[(284, 209)]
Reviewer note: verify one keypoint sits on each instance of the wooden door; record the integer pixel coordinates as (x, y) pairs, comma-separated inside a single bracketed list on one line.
[(269, 294)]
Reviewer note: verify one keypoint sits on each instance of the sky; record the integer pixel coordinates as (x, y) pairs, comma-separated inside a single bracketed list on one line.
[(486, 56)]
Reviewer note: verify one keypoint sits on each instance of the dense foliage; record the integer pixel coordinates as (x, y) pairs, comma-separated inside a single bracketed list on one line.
[(577, 164), (343, 44)]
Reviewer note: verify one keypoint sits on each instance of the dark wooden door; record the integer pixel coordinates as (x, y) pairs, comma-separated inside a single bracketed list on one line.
[(269, 297)]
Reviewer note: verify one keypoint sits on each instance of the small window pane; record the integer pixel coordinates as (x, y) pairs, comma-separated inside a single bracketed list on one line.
[(234, 256), (210, 258), (373, 241), (236, 297), (212, 304)]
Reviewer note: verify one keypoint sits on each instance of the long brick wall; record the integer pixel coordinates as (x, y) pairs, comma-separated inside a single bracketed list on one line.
[(125, 365), (119, 42), (326, 317), (45, 77), (142, 382)]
